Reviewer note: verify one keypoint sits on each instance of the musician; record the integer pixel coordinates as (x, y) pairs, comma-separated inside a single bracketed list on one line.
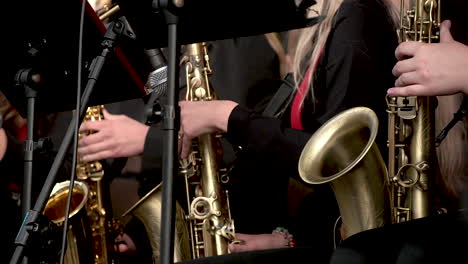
[(351, 66), (435, 69), (235, 76), (348, 64)]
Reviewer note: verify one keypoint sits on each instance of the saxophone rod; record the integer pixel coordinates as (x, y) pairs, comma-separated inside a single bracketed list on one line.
[(109, 12)]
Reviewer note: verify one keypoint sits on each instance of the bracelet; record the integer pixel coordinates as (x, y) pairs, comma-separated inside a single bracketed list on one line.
[(286, 235)]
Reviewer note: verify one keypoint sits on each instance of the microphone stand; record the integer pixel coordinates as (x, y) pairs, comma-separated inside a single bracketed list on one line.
[(171, 118), (31, 223), (24, 78)]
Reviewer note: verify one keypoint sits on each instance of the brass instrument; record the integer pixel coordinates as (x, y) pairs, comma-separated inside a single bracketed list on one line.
[(203, 226), (92, 173), (356, 172), (212, 228), (77, 251), (148, 211), (368, 194), (411, 125), (94, 226), (91, 232), (108, 12)]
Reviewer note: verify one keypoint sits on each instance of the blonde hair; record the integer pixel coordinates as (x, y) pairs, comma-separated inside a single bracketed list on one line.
[(451, 152), (312, 40)]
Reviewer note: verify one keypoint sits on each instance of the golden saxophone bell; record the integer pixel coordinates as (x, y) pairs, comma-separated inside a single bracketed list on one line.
[(343, 153), (55, 207)]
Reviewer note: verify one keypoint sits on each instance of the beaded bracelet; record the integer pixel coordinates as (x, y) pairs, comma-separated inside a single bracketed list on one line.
[(287, 236)]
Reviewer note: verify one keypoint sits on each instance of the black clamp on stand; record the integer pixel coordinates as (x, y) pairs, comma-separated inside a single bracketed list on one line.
[(157, 86), (32, 224), (170, 113)]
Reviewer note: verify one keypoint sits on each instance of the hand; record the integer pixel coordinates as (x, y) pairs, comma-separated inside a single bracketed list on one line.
[(124, 244), (433, 68), (116, 136), (202, 117), (258, 242), (3, 143)]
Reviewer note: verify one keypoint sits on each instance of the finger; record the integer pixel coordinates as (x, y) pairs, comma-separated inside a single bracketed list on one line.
[(97, 156), (94, 148), (92, 139), (404, 66), (234, 248), (397, 91), (123, 248), (242, 237), (179, 143), (405, 79), (108, 115), (445, 35), (407, 49), (186, 144), (92, 125), (407, 90)]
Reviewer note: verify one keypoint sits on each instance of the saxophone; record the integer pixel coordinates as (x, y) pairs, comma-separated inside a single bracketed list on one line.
[(203, 224), (411, 123), (368, 194), (210, 222), (97, 211), (88, 201)]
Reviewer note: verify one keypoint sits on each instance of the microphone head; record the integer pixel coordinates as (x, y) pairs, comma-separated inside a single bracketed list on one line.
[(157, 82)]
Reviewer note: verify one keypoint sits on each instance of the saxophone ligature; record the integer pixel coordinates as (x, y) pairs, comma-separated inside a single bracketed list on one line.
[(411, 124)]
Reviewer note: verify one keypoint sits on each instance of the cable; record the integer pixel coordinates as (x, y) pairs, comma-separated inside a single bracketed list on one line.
[(335, 226), (75, 142)]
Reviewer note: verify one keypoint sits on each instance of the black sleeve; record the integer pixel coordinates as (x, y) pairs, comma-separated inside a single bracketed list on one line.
[(355, 70), (152, 152), (266, 136)]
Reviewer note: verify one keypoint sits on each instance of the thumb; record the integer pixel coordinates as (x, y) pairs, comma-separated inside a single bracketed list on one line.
[(445, 35), (235, 248), (107, 115)]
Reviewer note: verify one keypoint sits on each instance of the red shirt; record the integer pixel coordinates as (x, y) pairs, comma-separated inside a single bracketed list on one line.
[(296, 110)]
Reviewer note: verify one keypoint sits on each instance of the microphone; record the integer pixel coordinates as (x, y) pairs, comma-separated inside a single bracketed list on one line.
[(157, 79), (156, 84)]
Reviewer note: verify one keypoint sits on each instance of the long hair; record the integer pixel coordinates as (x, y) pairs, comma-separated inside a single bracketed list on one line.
[(8, 112), (312, 40), (451, 153)]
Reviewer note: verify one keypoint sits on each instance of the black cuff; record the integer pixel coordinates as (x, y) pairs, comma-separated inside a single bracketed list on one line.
[(152, 152), (237, 132)]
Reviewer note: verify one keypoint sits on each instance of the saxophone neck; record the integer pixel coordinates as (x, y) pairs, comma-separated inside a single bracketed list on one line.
[(198, 70)]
